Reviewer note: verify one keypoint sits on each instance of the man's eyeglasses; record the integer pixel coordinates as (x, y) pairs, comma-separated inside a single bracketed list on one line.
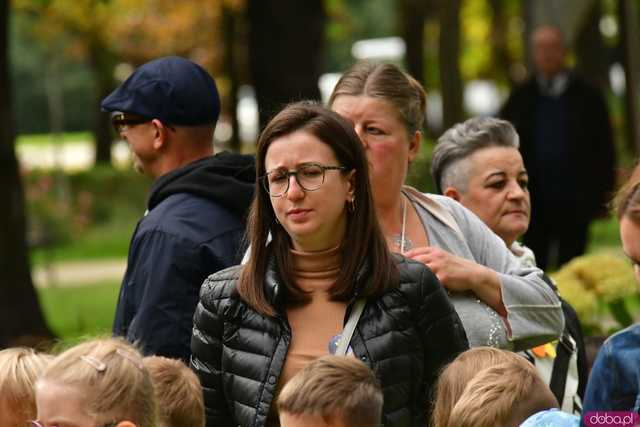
[(309, 176), (123, 121)]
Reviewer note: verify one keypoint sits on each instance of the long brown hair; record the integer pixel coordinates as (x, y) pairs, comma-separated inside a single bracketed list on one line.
[(387, 82), (363, 245)]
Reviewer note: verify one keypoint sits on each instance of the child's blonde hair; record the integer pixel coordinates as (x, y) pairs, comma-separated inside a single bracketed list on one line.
[(505, 395), (178, 392), (110, 374), (19, 369), (334, 387), (455, 377)]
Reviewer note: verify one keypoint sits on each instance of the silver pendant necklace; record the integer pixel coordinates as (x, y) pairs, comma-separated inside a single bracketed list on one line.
[(399, 239)]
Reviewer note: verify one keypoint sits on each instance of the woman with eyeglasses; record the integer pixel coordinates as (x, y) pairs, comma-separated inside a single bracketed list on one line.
[(258, 324)]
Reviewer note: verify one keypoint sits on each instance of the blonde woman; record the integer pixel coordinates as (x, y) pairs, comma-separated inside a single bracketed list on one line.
[(500, 303)]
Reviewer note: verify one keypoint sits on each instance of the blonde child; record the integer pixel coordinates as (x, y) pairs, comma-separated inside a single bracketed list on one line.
[(503, 395), (178, 392), (331, 391), (99, 382), (489, 387), (19, 370)]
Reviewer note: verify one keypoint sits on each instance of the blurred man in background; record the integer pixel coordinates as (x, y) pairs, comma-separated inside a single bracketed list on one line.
[(567, 146)]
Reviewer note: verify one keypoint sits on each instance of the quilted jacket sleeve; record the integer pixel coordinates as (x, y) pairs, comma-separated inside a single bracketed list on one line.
[(443, 335), (206, 349)]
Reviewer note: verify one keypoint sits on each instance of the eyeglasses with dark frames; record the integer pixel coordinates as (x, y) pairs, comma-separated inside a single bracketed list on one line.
[(122, 122), (309, 176)]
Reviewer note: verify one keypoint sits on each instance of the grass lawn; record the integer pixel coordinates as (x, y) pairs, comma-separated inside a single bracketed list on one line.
[(105, 241), (76, 312)]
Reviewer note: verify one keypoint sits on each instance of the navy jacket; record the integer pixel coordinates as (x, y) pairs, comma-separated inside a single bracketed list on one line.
[(193, 228)]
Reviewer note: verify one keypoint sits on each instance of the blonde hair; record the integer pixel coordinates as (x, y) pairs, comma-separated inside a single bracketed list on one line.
[(331, 387), (19, 369), (110, 375), (505, 394), (455, 377), (389, 83), (178, 392)]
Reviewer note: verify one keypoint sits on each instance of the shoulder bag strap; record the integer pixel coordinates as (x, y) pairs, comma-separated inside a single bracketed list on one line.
[(350, 327), (566, 347)]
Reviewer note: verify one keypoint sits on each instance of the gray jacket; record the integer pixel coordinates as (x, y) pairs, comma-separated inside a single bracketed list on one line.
[(534, 313)]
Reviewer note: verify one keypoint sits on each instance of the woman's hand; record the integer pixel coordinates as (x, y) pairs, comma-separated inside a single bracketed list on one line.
[(459, 274)]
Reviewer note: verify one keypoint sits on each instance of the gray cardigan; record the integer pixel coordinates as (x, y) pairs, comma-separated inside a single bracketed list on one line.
[(534, 313)]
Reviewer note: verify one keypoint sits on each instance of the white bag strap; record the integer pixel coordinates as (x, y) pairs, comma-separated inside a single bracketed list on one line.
[(435, 208), (350, 327)]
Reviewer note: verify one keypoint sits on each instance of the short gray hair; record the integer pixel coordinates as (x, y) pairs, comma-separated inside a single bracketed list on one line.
[(448, 166)]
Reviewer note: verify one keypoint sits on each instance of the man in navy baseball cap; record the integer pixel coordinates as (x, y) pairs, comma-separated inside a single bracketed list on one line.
[(166, 111), (173, 90)]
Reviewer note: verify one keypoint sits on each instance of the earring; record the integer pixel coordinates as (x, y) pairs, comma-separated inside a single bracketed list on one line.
[(351, 206)]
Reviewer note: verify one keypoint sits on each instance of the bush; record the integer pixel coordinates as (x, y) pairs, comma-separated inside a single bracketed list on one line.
[(64, 209), (595, 283)]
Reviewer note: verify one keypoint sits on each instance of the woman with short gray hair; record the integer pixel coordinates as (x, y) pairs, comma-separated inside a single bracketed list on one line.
[(477, 163), (462, 140)]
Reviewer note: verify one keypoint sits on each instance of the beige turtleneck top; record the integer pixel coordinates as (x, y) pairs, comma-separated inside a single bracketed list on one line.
[(313, 325)]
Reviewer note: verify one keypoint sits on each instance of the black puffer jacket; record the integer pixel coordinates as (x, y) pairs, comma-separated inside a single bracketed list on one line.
[(406, 336)]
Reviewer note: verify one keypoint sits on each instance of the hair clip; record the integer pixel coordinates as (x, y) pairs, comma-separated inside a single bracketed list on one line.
[(99, 365), (131, 358)]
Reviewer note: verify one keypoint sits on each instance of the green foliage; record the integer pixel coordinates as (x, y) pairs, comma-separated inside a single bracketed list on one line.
[(598, 285), (73, 312), (31, 62), (604, 233), (419, 175), (353, 20), (90, 214)]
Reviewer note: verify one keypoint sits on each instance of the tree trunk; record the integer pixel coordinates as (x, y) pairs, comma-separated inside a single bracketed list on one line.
[(412, 16), (629, 31), (286, 39), (449, 54), (591, 53), (102, 65), (231, 70), (501, 63), (527, 10), (21, 318)]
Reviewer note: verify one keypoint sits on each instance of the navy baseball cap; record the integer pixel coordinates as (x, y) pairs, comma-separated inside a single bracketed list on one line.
[(172, 89)]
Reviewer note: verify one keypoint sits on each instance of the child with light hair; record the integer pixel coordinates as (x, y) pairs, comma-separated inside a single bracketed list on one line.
[(457, 375), (488, 387), (99, 382), (19, 370), (331, 391), (502, 395), (178, 392)]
